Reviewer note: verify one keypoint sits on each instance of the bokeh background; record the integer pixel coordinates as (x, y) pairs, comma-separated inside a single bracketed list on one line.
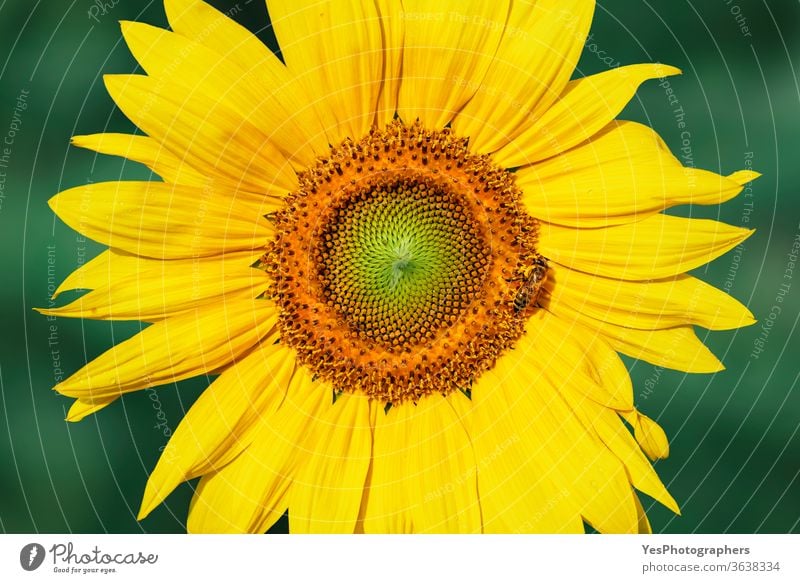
[(734, 435)]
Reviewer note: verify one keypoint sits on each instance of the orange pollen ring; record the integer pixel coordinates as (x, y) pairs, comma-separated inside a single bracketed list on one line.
[(399, 263)]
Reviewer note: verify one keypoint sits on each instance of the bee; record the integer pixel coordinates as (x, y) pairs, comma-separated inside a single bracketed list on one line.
[(531, 286)]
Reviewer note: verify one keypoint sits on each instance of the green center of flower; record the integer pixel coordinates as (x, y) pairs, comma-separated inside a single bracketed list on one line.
[(401, 259)]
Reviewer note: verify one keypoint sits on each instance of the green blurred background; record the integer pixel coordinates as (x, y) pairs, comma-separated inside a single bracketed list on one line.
[(734, 436)]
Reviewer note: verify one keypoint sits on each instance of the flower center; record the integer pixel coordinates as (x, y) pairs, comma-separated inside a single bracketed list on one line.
[(400, 265), (400, 258)]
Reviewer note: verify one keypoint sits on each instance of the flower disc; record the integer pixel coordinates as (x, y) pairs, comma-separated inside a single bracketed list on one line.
[(404, 281), (401, 259)]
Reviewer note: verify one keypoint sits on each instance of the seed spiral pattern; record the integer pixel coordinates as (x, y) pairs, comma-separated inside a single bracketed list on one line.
[(396, 264), (401, 259)]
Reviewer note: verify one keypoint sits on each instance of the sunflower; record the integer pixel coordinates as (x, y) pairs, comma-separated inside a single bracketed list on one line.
[(412, 250)]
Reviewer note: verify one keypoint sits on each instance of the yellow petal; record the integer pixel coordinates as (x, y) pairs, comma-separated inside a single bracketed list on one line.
[(588, 473), (600, 424), (335, 49), (387, 506), (585, 107), (249, 494), (621, 175), (568, 351), (658, 247), (98, 271), (444, 498), (174, 349), (81, 409), (448, 48), (521, 491), (281, 93), (326, 493), (540, 48), (202, 72), (649, 435), (676, 348), (644, 523), (617, 438), (743, 177), (647, 305), (204, 132), (155, 219), (154, 289), (223, 420), (390, 13), (145, 151), (612, 509), (201, 22)]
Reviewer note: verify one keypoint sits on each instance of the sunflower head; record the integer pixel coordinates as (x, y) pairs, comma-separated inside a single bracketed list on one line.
[(422, 214)]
